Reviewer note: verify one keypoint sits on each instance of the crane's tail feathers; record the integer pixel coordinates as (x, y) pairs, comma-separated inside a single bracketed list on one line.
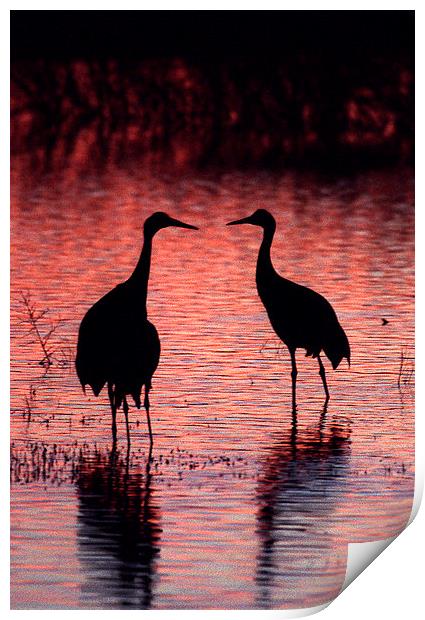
[(337, 349), (334, 358), (336, 361), (95, 386), (136, 397)]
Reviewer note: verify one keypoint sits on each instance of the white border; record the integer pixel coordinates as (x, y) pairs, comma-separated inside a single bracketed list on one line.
[(392, 586)]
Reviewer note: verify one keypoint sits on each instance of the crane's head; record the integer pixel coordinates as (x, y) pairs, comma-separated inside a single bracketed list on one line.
[(160, 220), (260, 217)]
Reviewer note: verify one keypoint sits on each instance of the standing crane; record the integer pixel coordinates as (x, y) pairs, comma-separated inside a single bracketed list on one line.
[(117, 345), (300, 317)]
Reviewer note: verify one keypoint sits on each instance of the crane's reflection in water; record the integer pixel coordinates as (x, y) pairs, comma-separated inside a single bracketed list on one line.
[(303, 478), (118, 532)]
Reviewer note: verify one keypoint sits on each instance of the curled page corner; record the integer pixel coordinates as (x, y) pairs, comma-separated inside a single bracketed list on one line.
[(360, 555)]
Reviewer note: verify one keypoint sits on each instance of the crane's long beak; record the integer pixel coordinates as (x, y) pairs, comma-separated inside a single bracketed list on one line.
[(180, 224), (244, 220)]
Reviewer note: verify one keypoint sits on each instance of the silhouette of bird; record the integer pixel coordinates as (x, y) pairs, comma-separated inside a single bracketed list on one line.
[(385, 321), (300, 317), (117, 345)]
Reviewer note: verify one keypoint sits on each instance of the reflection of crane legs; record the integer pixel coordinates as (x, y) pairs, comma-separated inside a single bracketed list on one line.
[(323, 420), (294, 373), (125, 407), (323, 376), (147, 405), (114, 412)]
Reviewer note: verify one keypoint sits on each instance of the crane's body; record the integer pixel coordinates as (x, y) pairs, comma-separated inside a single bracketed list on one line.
[(302, 318), (117, 344), (288, 307)]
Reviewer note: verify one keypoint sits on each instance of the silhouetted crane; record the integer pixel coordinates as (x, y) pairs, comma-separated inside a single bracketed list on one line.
[(300, 317), (117, 344)]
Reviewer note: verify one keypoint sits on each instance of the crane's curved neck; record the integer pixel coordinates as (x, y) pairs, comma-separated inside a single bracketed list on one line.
[(265, 267), (140, 276)]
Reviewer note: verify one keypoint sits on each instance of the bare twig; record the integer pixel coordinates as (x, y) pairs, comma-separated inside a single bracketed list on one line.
[(30, 402), (405, 371), (400, 370), (34, 317)]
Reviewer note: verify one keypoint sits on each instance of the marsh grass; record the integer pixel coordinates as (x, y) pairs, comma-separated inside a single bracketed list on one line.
[(406, 370)]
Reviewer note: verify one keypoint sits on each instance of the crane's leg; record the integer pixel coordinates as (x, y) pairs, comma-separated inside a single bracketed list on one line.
[(323, 420), (114, 413), (294, 373), (323, 376), (147, 405), (125, 407)]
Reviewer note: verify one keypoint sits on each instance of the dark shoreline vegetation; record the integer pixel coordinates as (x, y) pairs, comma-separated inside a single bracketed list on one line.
[(236, 89), (238, 114)]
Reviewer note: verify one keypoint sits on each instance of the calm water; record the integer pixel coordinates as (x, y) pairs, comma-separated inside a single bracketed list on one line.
[(239, 508)]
